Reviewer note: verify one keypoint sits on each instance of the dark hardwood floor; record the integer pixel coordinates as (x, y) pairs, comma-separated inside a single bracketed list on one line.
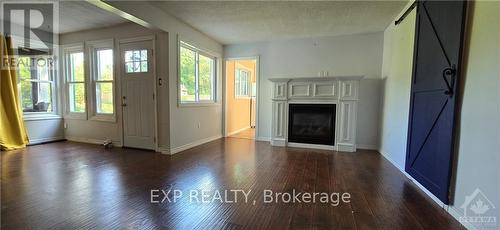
[(69, 185)]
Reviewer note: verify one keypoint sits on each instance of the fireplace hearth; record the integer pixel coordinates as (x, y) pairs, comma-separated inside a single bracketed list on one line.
[(312, 123)]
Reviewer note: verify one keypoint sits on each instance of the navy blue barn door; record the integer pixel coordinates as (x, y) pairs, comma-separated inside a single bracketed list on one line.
[(436, 67)]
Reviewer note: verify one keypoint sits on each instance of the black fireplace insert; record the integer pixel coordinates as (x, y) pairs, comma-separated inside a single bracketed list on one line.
[(311, 123)]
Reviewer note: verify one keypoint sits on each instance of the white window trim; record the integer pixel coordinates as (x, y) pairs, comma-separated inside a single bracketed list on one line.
[(92, 48), (66, 51), (214, 101), (249, 81), (55, 114)]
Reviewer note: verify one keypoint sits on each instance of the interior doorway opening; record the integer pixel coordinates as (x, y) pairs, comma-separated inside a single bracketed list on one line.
[(241, 97)]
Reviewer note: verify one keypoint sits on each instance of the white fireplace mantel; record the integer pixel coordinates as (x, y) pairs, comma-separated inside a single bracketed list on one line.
[(339, 90)]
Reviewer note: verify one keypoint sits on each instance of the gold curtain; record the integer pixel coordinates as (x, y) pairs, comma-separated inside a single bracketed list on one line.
[(12, 131)]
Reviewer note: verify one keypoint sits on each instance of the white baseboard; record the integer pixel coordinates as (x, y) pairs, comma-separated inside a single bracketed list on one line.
[(93, 141), (263, 139), (44, 140), (164, 150), (237, 131), (367, 146), (450, 209), (278, 142), (345, 147), (191, 145)]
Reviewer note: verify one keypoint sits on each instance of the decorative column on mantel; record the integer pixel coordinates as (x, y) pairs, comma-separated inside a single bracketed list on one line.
[(339, 90)]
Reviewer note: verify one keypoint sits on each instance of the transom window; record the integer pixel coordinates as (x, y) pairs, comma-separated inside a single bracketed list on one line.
[(36, 84), (136, 61), (242, 82), (197, 75)]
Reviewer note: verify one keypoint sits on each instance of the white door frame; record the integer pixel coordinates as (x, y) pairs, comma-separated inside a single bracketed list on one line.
[(257, 96), (151, 38)]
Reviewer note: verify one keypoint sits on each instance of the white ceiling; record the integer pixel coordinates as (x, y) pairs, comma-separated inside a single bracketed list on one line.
[(243, 22), (81, 15)]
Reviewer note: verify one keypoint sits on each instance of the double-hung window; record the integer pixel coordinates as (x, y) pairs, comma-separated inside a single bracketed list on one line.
[(197, 75), (74, 70), (36, 84), (102, 79)]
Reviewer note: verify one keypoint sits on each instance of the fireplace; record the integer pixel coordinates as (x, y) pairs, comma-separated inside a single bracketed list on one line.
[(312, 123), (315, 112)]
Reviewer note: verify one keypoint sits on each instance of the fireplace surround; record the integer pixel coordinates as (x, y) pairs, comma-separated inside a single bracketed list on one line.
[(340, 94)]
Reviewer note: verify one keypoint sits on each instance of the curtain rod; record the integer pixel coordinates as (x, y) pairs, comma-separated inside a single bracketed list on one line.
[(413, 5)]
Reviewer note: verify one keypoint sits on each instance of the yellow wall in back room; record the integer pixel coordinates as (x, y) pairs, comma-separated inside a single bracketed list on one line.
[(238, 109)]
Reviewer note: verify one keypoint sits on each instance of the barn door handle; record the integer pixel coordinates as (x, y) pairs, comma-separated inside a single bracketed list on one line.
[(450, 71)]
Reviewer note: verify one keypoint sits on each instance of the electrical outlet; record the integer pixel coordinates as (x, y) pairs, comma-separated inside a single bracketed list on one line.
[(65, 125), (199, 124)]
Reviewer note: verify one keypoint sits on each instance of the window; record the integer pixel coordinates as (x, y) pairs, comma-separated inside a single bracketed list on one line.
[(36, 84), (136, 61), (197, 75), (104, 82), (75, 80), (101, 66), (241, 83)]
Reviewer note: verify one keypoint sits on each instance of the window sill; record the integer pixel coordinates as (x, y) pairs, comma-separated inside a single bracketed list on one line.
[(76, 116), (197, 104), (104, 118), (44, 116)]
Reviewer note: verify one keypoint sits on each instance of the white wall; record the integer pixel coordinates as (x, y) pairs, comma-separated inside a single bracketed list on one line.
[(395, 97), (478, 163), (184, 130), (44, 130), (340, 55), (98, 131), (478, 136)]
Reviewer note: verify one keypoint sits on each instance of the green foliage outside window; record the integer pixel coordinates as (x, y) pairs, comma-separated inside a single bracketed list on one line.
[(77, 90), (24, 72), (191, 80)]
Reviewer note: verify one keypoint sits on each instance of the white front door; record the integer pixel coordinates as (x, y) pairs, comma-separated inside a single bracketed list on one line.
[(138, 94)]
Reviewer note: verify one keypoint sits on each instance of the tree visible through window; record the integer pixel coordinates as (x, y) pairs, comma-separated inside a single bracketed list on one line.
[(35, 85), (104, 81), (76, 82), (197, 75)]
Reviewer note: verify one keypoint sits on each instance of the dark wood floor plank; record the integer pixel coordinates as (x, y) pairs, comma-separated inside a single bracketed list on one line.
[(68, 185)]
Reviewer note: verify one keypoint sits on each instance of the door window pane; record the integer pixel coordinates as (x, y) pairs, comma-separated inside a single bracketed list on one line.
[(104, 102), (136, 61), (188, 74)]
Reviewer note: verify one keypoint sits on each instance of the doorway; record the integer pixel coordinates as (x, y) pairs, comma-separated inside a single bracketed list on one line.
[(138, 101), (241, 92)]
